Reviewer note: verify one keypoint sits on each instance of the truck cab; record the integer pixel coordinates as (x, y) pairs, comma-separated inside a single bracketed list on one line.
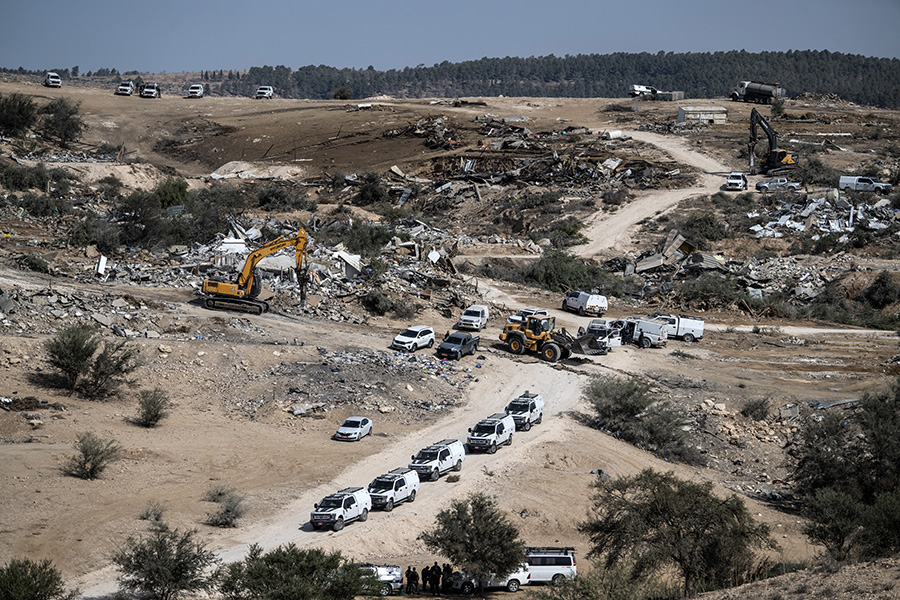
[(340, 508), (433, 461), (491, 433)]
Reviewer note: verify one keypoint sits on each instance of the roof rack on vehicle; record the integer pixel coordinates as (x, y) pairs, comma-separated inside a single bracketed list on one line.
[(349, 490), (549, 549)]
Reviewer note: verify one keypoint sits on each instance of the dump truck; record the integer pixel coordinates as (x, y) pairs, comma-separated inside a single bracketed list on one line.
[(539, 334), (756, 91)]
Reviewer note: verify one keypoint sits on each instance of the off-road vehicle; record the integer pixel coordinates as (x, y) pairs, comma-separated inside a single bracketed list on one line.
[(491, 433), (394, 487), (433, 461), (340, 508), (526, 410), (550, 563)]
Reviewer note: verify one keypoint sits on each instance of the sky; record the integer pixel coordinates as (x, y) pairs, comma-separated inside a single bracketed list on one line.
[(171, 36)]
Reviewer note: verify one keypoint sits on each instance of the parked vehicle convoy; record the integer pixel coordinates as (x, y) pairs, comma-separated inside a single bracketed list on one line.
[(458, 344), (682, 327), (340, 508), (390, 578), (52, 79), (775, 159), (491, 433), (522, 315), (777, 184), (737, 181), (126, 88), (539, 334), (151, 90), (466, 584), (264, 92), (220, 294), (550, 563), (526, 410), (353, 429), (757, 91), (864, 184), (195, 91), (433, 461), (394, 487), (475, 317), (585, 303), (413, 338)]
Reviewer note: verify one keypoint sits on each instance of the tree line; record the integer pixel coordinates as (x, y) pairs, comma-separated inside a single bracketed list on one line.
[(864, 80)]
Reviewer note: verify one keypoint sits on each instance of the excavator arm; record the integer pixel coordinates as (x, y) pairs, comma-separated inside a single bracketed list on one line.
[(775, 158), (248, 272)]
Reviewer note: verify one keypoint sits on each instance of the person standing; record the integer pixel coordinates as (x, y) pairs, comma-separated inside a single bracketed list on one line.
[(409, 580), (434, 576), (425, 573), (446, 575)]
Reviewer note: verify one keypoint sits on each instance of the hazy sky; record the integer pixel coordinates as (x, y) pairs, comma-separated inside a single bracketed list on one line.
[(194, 35)]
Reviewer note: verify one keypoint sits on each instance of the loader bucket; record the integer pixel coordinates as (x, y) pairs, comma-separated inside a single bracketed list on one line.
[(587, 344)]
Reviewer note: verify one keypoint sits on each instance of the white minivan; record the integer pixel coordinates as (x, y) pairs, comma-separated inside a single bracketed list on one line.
[(550, 563), (584, 303)]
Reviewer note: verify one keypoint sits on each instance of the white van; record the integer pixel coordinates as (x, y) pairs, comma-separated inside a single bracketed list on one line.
[(550, 563), (51, 79), (584, 303), (475, 317)]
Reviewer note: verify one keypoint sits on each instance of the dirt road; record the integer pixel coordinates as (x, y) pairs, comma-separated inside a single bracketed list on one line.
[(616, 229)]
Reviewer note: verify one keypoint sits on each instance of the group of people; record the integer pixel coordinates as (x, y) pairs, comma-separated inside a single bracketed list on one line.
[(434, 579)]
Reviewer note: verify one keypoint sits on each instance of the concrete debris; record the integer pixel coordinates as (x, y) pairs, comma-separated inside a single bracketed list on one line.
[(830, 213)]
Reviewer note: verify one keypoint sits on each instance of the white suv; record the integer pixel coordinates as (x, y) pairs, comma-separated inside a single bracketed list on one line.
[(433, 461), (151, 90), (264, 91), (195, 91), (414, 338), (526, 410), (390, 578), (551, 563), (126, 88), (336, 510), (475, 317), (394, 487), (463, 582), (497, 430)]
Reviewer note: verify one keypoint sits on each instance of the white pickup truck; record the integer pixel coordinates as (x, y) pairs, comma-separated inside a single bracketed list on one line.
[(264, 91), (686, 328)]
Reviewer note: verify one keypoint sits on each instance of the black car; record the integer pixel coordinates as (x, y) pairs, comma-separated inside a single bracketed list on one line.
[(456, 345)]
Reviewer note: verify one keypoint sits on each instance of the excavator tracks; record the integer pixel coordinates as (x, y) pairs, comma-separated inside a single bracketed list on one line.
[(256, 307)]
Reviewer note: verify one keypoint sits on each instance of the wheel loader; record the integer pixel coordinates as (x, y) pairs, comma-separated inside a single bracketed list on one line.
[(539, 334)]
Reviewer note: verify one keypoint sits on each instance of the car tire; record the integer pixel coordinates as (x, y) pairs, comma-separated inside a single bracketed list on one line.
[(526, 426), (512, 585), (468, 588), (492, 449), (386, 590), (580, 311), (509, 441), (474, 349), (564, 306), (557, 578), (412, 496), (338, 525), (364, 515), (389, 506), (688, 337), (430, 343), (435, 475), (644, 342), (458, 466)]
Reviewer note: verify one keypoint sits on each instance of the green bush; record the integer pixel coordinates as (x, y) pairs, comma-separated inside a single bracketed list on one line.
[(541, 200), (17, 178), (63, 121), (375, 301), (172, 192), (231, 508), (702, 228), (93, 456), (70, 351), (26, 579), (276, 198), (218, 492), (627, 410), (35, 263), (882, 292), (152, 512), (813, 171), (153, 407), (96, 231), (343, 93), (372, 190), (756, 409), (110, 368), (710, 289), (18, 114)]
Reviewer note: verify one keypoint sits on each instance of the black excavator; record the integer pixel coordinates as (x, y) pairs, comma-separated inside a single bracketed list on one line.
[(775, 160)]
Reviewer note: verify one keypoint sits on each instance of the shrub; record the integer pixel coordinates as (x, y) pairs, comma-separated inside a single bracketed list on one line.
[(70, 351), (153, 512), (153, 407), (35, 263), (405, 311), (626, 409), (62, 120), (18, 114), (275, 198), (110, 368), (25, 579), (834, 522), (777, 108), (40, 205), (96, 231), (24, 178), (882, 292), (709, 290), (231, 508), (702, 228), (343, 93), (93, 456), (756, 409), (377, 302), (372, 190), (218, 492), (165, 564), (812, 170), (172, 192), (539, 200)]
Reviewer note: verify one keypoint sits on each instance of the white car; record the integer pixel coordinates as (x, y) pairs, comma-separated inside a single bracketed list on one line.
[(583, 302), (736, 181), (264, 91), (413, 338), (522, 315), (195, 91), (126, 88), (151, 90), (467, 584), (354, 429), (475, 317), (51, 79)]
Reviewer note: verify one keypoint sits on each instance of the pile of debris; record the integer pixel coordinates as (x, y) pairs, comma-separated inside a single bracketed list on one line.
[(438, 132), (829, 100), (828, 214), (675, 127)]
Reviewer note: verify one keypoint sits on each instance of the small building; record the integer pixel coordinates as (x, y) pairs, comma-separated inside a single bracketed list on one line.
[(670, 96), (713, 115)]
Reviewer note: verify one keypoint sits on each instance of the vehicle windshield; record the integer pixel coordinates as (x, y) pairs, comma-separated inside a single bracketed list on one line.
[(484, 429), (352, 423), (426, 455), (408, 333), (472, 313), (517, 407), (382, 484), (455, 339), (328, 503)]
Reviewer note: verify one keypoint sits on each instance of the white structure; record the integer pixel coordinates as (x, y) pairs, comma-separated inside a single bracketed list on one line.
[(713, 115)]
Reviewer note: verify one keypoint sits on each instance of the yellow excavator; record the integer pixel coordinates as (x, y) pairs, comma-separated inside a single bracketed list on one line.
[(220, 294)]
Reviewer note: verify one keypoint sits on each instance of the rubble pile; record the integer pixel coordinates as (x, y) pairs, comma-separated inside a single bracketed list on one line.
[(438, 132), (364, 380), (675, 127), (803, 278), (829, 214), (66, 157), (829, 100)]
